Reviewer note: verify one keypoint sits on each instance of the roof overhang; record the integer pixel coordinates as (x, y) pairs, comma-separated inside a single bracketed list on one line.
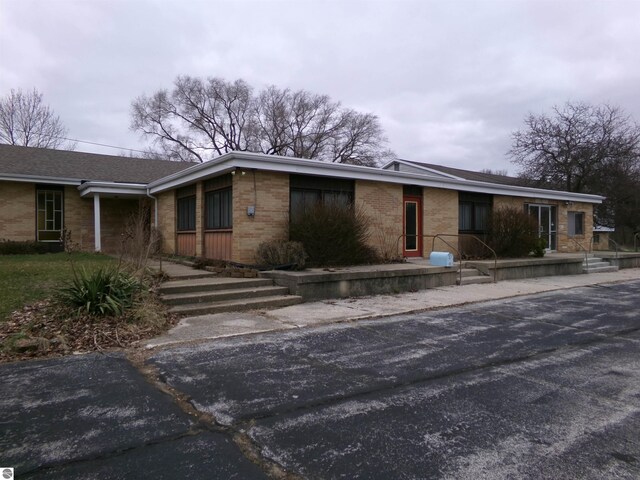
[(113, 189), (254, 161), (8, 177)]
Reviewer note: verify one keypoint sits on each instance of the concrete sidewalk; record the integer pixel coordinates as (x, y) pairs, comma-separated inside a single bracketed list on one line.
[(207, 327)]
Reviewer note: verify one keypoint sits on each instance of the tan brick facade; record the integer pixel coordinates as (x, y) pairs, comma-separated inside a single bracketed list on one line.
[(268, 192), (382, 203), (440, 216), (18, 207), (167, 220), (18, 219), (78, 218), (565, 243)]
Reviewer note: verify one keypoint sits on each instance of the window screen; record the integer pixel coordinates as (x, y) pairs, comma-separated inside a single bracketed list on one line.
[(218, 210), (187, 213)]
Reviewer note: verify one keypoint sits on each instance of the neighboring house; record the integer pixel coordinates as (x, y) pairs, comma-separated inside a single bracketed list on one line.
[(226, 207), (601, 236)]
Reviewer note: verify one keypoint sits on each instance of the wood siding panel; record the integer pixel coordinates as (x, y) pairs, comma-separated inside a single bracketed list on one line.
[(186, 244), (217, 245)]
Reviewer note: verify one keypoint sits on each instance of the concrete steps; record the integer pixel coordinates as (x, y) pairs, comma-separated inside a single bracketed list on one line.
[(223, 295), (472, 276), (212, 283), (206, 295), (274, 301), (598, 265)]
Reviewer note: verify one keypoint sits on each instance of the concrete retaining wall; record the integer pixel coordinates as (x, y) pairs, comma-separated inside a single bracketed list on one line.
[(529, 268), (624, 260), (319, 285)]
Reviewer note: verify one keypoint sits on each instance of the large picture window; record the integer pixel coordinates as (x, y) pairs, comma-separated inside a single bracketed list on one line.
[(473, 213), (576, 223), (50, 214), (218, 209), (186, 209), (308, 191)]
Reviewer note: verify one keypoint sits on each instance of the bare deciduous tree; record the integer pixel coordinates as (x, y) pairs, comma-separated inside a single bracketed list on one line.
[(571, 148), (588, 149), (200, 119), (25, 120)]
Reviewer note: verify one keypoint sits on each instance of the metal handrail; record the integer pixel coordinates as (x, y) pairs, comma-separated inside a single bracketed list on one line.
[(452, 247), (466, 235), (581, 247), (611, 240), (457, 250), (433, 237)]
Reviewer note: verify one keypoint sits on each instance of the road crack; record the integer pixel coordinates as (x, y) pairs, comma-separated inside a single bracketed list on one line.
[(206, 421)]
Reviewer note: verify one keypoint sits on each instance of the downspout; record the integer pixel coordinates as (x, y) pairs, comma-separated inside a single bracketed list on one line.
[(155, 209), (155, 219)]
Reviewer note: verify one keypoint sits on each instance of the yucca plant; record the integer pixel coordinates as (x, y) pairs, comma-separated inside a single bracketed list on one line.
[(106, 291)]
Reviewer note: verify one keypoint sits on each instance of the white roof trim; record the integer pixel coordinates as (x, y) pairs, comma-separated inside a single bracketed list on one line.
[(249, 161), (8, 177), (421, 167), (112, 188)]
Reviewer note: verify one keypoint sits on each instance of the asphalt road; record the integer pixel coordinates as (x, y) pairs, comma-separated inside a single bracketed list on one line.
[(545, 386)]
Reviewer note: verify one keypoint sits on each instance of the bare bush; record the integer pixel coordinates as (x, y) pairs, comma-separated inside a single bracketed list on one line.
[(281, 253), (139, 241), (512, 232)]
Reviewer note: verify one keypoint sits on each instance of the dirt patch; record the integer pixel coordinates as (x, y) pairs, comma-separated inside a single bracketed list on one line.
[(44, 329)]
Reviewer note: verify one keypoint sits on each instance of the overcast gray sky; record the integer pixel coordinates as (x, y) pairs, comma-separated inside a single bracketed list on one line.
[(449, 79)]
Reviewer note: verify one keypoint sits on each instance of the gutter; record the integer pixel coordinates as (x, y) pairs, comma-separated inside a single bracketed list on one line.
[(8, 177)]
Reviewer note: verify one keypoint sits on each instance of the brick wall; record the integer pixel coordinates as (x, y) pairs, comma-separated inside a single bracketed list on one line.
[(440, 216), (167, 220), (115, 213), (565, 243), (78, 218), (271, 200), (17, 211), (382, 203)]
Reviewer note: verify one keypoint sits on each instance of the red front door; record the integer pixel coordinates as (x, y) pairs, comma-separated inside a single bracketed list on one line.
[(412, 226)]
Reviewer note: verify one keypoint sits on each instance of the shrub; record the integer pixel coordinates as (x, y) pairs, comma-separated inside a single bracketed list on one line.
[(279, 253), (539, 247), (333, 235), (106, 291), (10, 247), (512, 232)]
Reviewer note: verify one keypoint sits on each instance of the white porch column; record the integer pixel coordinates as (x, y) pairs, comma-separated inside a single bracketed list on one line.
[(96, 221)]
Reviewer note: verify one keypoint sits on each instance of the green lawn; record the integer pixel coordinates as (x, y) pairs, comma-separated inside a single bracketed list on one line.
[(28, 278)]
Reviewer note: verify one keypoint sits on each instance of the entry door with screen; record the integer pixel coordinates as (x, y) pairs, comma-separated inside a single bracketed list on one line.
[(545, 216)]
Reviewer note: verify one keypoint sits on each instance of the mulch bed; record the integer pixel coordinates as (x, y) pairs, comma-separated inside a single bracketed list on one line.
[(44, 330)]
